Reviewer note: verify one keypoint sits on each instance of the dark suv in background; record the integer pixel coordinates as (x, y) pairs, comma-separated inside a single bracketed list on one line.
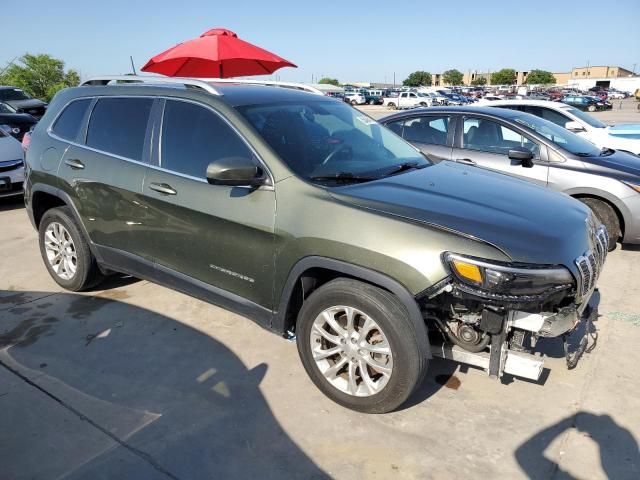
[(304, 214), (22, 102)]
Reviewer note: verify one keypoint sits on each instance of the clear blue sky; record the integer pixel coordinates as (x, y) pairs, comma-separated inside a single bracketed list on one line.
[(352, 41)]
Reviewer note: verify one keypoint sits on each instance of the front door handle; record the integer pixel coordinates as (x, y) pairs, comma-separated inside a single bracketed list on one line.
[(466, 161), (163, 188), (74, 163)]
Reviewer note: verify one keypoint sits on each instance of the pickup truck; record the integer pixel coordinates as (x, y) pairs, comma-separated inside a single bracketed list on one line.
[(407, 100)]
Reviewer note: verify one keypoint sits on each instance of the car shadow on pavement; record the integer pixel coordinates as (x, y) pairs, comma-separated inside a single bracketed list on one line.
[(152, 397), (619, 454), (11, 203)]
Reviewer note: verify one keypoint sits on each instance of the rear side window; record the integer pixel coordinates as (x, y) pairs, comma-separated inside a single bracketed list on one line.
[(193, 137), (68, 123), (119, 125), (429, 130)]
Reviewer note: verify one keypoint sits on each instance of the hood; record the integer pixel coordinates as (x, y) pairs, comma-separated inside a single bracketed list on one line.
[(17, 119), (620, 162), (628, 130), (25, 104), (528, 223), (10, 149)]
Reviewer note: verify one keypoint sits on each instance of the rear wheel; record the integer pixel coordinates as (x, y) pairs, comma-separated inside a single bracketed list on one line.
[(359, 346), (65, 251), (391, 106), (591, 108), (607, 215)]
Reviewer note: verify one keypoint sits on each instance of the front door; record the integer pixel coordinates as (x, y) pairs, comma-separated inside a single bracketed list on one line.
[(486, 143), (220, 235)]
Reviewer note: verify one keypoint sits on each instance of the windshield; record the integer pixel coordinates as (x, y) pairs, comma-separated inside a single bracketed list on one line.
[(13, 94), (6, 108), (560, 136), (320, 139), (585, 117)]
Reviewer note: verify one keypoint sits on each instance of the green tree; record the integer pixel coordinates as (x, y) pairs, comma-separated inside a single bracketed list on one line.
[(479, 81), (452, 77), (506, 76), (540, 77), (417, 79), (41, 76), (330, 81)]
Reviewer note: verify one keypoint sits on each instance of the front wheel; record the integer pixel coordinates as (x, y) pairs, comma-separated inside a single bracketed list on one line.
[(591, 108), (607, 215), (360, 347)]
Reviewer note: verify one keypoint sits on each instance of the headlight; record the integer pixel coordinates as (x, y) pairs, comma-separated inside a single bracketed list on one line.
[(632, 185), (507, 279)]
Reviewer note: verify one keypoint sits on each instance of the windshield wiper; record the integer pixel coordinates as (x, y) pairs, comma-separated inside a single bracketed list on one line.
[(343, 177), (605, 152), (403, 167), (584, 154)]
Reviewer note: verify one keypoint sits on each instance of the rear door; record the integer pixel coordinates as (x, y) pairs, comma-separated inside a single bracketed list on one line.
[(104, 167), (432, 134), (486, 143), (220, 235)]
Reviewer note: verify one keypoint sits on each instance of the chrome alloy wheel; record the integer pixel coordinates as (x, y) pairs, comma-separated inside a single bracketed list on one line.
[(60, 250), (351, 351)]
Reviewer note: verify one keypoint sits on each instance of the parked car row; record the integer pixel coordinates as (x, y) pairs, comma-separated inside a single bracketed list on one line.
[(19, 113), (475, 264)]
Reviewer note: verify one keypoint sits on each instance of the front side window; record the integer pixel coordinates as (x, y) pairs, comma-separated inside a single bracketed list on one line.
[(194, 136), (318, 138), (429, 130), (491, 137), (68, 123), (548, 114), (118, 126)]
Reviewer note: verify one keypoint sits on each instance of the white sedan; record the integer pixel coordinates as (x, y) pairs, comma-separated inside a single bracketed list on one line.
[(619, 137), (11, 166)]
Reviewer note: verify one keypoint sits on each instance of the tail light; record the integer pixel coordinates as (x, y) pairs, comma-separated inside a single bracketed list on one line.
[(26, 141)]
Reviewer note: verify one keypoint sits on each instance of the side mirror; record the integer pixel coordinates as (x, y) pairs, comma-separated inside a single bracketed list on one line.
[(235, 171), (522, 155), (574, 127)]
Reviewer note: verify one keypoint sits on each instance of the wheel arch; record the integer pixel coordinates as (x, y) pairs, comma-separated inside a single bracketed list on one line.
[(314, 271), (601, 198), (45, 197)]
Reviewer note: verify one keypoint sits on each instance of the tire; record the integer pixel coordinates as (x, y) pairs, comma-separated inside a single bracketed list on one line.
[(591, 108), (607, 215), (354, 103), (423, 104), (79, 269), (391, 106), (372, 102), (394, 332)]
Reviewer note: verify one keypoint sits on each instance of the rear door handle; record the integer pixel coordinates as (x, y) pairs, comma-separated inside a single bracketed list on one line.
[(74, 163), (466, 161), (163, 188)]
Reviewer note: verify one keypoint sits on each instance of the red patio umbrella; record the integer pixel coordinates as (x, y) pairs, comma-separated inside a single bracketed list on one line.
[(218, 53)]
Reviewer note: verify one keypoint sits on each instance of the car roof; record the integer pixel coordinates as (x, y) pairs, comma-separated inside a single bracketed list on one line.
[(492, 111), (539, 103)]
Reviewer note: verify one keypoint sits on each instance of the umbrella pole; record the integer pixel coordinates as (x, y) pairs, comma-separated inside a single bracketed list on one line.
[(220, 68)]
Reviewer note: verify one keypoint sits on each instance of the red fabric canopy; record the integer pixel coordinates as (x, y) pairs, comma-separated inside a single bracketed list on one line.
[(218, 53)]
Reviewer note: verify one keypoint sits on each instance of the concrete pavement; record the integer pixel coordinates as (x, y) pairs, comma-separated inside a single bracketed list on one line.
[(138, 381)]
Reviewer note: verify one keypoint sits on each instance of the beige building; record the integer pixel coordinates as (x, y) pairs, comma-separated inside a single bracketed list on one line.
[(597, 71)]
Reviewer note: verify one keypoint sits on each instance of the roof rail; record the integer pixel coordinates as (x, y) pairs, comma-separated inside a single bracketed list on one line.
[(268, 83), (187, 82)]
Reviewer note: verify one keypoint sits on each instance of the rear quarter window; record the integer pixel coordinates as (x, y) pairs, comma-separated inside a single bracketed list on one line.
[(68, 122)]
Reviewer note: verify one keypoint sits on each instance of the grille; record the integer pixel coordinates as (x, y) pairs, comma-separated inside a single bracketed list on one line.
[(10, 165), (591, 262)]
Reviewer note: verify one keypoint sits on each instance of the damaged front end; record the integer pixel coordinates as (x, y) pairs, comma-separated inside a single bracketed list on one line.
[(491, 314)]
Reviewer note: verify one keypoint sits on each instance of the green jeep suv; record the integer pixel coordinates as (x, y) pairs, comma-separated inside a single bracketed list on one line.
[(307, 216)]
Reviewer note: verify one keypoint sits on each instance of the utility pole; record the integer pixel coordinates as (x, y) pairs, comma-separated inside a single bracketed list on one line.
[(133, 67), (394, 79)]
